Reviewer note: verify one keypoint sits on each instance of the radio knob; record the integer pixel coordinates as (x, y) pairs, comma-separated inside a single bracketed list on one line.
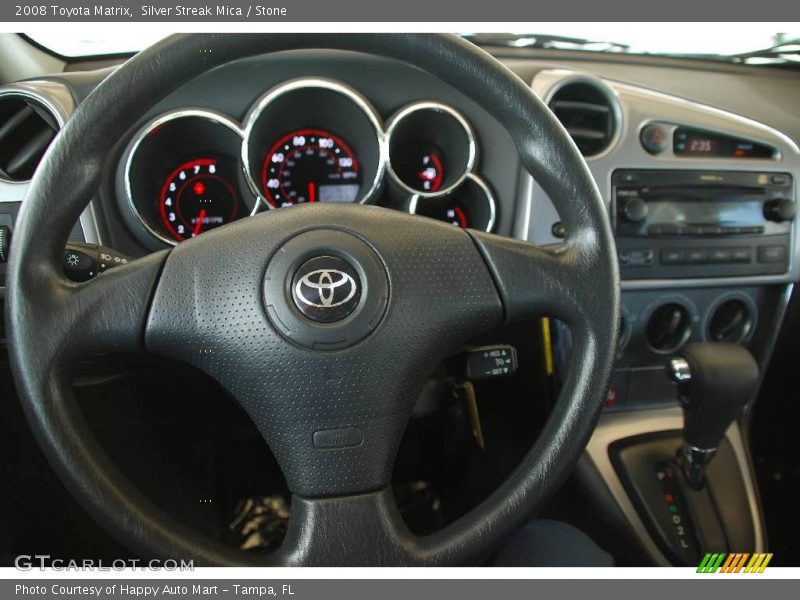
[(779, 210), (635, 210)]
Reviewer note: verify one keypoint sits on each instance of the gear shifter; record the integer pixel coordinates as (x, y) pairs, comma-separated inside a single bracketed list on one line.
[(715, 381)]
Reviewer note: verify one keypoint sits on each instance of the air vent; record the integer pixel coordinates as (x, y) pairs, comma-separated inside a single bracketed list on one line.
[(587, 112), (26, 130)]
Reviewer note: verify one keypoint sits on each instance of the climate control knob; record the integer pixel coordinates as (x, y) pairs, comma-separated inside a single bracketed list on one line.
[(669, 327)]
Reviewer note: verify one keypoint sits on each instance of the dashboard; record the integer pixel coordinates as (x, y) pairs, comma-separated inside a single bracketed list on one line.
[(699, 196), (688, 185)]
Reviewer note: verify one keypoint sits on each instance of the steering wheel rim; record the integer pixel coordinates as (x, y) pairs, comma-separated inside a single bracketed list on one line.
[(51, 320)]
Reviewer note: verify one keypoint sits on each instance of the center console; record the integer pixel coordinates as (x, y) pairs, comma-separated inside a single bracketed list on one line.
[(702, 204), (687, 487), (699, 228)]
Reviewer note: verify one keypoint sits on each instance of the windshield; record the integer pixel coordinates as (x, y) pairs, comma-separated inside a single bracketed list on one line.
[(744, 42), (89, 43)]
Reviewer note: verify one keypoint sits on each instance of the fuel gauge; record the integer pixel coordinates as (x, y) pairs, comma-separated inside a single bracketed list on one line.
[(422, 164), (431, 149)]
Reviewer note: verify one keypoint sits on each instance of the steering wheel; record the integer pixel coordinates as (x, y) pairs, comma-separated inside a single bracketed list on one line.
[(324, 322)]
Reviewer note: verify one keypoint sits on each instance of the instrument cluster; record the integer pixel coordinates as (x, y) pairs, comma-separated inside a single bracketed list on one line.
[(307, 140)]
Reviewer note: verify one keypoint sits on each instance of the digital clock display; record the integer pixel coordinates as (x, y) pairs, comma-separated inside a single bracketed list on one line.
[(701, 145), (696, 142)]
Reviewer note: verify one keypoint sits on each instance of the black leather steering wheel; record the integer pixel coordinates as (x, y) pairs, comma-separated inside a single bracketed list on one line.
[(331, 399)]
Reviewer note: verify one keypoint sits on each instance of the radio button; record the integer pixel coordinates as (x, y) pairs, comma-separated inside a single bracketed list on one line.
[(710, 230), (720, 255), (696, 256), (673, 230), (636, 258), (673, 256), (741, 255), (771, 254)]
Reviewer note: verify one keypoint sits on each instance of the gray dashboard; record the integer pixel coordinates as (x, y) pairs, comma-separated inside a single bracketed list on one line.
[(637, 108), (744, 101), (760, 101), (766, 95)]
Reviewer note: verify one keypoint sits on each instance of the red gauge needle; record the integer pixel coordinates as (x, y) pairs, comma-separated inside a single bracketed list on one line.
[(198, 225), (461, 216), (312, 191)]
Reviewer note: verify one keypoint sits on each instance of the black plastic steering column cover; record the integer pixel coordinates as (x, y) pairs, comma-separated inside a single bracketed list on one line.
[(52, 322)]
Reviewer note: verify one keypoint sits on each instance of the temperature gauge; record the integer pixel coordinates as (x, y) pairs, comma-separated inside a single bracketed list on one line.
[(471, 205)]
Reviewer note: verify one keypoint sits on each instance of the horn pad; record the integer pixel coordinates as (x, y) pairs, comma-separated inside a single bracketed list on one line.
[(325, 289)]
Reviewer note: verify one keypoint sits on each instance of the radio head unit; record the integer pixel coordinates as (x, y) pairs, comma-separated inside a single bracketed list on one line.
[(672, 224)]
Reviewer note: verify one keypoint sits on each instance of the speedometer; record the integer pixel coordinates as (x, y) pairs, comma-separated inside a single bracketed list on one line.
[(310, 165)]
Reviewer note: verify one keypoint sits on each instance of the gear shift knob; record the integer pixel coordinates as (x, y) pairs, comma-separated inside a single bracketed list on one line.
[(715, 381)]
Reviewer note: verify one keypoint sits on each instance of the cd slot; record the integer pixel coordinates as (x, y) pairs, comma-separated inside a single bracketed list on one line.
[(699, 192), (669, 229)]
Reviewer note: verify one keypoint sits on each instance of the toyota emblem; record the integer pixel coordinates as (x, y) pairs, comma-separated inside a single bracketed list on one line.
[(326, 289)]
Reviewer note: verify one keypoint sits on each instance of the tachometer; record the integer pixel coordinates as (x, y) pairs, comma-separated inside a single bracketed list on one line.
[(197, 196), (310, 165)]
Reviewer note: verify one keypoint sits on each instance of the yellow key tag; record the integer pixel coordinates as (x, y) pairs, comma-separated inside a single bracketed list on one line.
[(468, 392)]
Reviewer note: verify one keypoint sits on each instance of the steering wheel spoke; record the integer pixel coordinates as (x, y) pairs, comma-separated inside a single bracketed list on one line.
[(364, 529), (105, 314), (554, 281), (108, 313)]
